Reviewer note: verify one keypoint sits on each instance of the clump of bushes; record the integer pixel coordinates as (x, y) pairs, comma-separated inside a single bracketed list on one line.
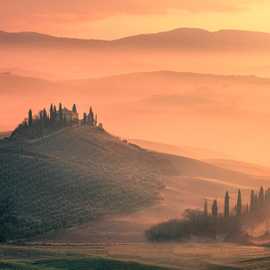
[(227, 225), (195, 223)]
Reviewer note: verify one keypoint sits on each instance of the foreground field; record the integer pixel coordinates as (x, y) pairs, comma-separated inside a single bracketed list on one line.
[(74, 264), (200, 256)]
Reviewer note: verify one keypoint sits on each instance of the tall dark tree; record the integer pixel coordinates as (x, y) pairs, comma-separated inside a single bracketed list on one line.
[(84, 118), (54, 111), (205, 210), (52, 115), (239, 204), (96, 120), (215, 208), (227, 205), (74, 108), (252, 201), (45, 117), (61, 116), (91, 117), (256, 200), (30, 118), (261, 196)]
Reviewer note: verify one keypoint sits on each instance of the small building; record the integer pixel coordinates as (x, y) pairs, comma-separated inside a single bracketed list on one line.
[(69, 115)]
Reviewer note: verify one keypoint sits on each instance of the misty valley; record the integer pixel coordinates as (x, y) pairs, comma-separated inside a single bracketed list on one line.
[(134, 135)]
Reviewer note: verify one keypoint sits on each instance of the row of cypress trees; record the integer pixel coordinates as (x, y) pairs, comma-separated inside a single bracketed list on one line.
[(258, 200)]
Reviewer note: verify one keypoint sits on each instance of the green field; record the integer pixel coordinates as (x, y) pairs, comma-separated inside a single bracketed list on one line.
[(188, 256), (34, 258), (75, 264)]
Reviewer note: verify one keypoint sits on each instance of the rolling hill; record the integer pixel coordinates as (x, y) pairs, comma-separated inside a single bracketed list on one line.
[(214, 158), (81, 174), (183, 49), (187, 151), (158, 105), (180, 38)]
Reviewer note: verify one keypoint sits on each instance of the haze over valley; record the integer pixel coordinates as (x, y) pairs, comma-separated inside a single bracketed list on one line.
[(230, 113), (134, 135)]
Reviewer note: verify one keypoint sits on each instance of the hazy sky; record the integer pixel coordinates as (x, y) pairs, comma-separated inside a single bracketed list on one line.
[(110, 19)]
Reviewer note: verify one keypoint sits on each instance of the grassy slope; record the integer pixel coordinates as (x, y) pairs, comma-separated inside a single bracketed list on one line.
[(76, 264), (79, 174), (76, 175), (200, 256)]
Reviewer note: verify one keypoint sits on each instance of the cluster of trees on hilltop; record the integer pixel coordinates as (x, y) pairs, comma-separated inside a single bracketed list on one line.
[(89, 119), (230, 223), (55, 118)]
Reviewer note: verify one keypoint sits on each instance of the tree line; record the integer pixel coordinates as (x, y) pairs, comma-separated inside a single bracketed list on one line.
[(258, 202), (55, 118), (230, 224)]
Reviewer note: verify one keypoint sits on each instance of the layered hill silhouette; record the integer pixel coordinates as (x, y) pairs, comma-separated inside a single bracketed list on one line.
[(214, 158), (78, 174), (183, 49), (181, 38)]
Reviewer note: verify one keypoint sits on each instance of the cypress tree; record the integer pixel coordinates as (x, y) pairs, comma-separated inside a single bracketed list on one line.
[(51, 113), (45, 117), (252, 201), (215, 209), (255, 201), (91, 117), (60, 112), (84, 118), (74, 108), (239, 204), (227, 205), (30, 118), (261, 196)]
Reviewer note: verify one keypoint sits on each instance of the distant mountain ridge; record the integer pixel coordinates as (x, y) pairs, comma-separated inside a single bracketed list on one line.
[(181, 38)]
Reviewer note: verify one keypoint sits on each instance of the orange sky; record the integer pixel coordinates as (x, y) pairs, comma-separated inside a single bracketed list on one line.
[(116, 18)]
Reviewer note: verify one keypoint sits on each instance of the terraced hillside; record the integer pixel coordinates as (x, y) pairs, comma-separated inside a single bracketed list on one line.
[(80, 173)]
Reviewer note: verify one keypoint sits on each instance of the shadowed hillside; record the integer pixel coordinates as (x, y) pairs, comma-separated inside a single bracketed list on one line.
[(74, 175), (78, 174)]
